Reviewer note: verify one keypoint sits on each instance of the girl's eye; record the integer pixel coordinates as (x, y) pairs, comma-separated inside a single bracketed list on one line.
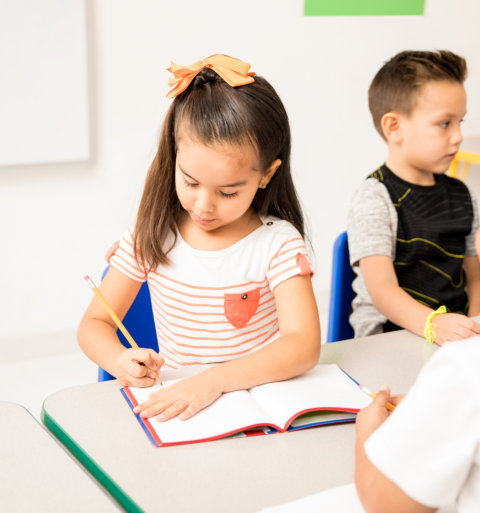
[(228, 195), (444, 124), (189, 184)]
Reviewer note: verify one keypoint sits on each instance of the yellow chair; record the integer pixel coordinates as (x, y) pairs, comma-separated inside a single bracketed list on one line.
[(461, 163)]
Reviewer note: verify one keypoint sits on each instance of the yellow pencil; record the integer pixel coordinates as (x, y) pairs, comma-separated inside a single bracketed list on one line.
[(363, 388), (114, 316)]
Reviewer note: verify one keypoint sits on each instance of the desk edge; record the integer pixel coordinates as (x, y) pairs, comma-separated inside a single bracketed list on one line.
[(90, 465)]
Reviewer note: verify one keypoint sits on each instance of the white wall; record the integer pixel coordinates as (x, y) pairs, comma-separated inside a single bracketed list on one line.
[(57, 220)]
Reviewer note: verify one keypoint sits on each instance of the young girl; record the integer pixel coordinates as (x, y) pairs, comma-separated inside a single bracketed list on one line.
[(219, 238)]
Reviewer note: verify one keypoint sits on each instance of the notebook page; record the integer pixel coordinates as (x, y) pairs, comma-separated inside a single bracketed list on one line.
[(230, 412), (325, 386)]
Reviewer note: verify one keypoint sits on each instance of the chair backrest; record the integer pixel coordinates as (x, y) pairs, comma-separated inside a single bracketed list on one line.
[(341, 293), (461, 163), (139, 323)]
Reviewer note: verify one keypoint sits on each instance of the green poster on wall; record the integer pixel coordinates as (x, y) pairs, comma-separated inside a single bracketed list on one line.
[(363, 7)]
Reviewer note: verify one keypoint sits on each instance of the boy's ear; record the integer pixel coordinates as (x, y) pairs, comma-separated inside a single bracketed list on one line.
[(391, 127), (270, 172)]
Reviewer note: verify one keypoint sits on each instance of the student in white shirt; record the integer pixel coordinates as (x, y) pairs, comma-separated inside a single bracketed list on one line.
[(425, 456)]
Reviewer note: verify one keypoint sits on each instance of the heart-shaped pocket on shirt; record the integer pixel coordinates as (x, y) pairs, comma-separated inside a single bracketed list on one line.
[(239, 308)]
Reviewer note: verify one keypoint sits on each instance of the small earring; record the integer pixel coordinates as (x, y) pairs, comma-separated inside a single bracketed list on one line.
[(261, 186)]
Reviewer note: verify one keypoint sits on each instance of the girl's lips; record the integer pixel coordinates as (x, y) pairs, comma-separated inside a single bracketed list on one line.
[(201, 220)]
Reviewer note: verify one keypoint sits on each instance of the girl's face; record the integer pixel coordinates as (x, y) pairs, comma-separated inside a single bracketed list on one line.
[(216, 184)]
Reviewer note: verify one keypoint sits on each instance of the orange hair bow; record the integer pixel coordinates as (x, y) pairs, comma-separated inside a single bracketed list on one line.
[(233, 71)]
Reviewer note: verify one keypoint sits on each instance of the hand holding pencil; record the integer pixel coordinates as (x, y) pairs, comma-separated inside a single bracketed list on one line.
[(136, 363), (374, 415), (388, 404)]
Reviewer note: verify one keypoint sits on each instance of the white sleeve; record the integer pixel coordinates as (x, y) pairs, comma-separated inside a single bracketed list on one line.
[(426, 447)]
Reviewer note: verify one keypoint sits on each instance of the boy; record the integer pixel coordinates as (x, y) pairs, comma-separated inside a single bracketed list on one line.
[(426, 454), (410, 227)]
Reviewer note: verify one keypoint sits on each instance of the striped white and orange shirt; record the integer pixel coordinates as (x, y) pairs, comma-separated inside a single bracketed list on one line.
[(214, 306)]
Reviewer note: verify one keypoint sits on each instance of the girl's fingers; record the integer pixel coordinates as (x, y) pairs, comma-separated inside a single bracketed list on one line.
[(172, 411), (161, 410), (192, 409), (152, 360), (141, 363), (138, 382), (136, 370), (152, 405)]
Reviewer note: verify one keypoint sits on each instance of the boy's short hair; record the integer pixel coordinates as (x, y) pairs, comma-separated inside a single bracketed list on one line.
[(396, 84)]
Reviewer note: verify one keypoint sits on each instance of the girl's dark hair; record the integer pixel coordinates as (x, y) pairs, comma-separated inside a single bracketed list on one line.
[(217, 113)]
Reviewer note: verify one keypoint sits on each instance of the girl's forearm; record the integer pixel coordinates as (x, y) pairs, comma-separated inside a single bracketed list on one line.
[(99, 341), (282, 359)]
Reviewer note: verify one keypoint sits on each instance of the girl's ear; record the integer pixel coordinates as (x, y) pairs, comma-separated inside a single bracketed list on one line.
[(269, 174), (392, 127)]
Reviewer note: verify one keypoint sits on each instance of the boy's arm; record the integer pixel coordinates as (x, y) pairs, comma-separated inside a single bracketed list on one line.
[(377, 493), (387, 296), (472, 272), (471, 263), (401, 309)]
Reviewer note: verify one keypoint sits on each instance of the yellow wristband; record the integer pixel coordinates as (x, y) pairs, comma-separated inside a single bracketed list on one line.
[(428, 331)]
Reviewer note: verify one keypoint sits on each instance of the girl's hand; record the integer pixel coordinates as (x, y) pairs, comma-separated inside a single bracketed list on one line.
[(185, 398), (138, 367), (375, 414), (451, 326)]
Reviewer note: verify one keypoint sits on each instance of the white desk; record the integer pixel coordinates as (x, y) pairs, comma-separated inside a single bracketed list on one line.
[(37, 474), (235, 475)]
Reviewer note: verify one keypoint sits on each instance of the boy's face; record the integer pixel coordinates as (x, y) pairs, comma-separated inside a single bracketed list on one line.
[(431, 135)]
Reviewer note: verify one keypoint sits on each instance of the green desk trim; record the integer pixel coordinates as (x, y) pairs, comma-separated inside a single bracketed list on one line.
[(92, 467)]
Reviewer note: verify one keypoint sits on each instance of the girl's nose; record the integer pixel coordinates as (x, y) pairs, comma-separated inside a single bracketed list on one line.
[(204, 202)]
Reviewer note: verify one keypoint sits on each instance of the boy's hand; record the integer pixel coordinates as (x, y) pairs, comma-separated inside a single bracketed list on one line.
[(185, 398), (375, 414), (138, 367), (451, 326)]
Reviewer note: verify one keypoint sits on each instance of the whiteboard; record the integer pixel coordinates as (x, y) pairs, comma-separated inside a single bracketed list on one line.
[(43, 82)]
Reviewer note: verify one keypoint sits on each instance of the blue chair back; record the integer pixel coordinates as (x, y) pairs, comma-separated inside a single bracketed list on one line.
[(139, 323), (341, 293)]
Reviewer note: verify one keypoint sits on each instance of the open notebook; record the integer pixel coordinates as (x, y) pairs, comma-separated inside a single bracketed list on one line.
[(324, 395)]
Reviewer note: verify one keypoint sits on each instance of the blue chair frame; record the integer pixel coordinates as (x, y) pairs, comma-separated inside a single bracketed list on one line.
[(341, 293), (139, 323)]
